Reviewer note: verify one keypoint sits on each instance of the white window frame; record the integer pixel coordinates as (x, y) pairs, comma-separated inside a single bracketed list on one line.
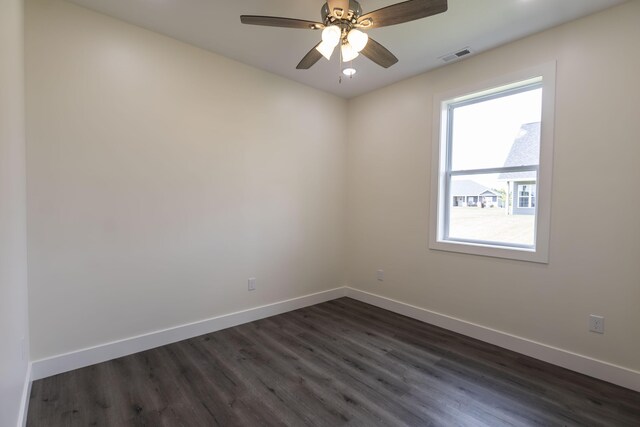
[(437, 239)]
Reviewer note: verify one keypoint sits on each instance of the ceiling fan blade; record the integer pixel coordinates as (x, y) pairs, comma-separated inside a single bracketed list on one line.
[(403, 12), (379, 54), (309, 59), (276, 21), (337, 6)]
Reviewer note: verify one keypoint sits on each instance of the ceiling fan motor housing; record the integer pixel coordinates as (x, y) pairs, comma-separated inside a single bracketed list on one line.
[(351, 15)]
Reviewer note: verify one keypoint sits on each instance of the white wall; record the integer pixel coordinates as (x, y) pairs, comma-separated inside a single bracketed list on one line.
[(162, 176), (595, 234), (13, 259)]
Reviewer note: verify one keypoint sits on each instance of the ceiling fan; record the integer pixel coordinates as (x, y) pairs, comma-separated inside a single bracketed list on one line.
[(342, 22)]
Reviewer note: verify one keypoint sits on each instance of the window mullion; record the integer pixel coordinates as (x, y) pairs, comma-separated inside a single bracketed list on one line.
[(487, 171)]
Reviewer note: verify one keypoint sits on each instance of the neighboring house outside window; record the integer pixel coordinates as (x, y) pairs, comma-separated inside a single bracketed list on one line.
[(522, 185), (468, 193)]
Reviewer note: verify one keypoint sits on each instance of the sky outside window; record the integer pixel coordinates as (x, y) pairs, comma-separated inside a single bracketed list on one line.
[(483, 133)]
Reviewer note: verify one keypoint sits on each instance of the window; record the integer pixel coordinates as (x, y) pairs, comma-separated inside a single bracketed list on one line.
[(527, 196), (492, 157)]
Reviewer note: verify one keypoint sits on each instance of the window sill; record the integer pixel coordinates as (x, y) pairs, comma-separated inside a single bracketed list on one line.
[(495, 251)]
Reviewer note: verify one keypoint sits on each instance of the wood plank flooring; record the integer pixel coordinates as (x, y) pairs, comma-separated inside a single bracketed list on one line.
[(338, 363)]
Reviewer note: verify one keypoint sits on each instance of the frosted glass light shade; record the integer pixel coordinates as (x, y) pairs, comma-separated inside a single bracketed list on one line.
[(357, 39), (326, 49), (330, 38), (331, 35), (348, 52)]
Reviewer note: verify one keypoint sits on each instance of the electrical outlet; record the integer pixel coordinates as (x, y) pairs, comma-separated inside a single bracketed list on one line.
[(380, 275), (596, 324), (252, 283)]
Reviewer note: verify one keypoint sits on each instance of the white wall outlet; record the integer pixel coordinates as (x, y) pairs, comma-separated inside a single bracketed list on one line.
[(596, 324), (252, 283), (380, 275)]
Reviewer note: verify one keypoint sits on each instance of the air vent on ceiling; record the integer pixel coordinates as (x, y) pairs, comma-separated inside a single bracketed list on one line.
[(456, 55)]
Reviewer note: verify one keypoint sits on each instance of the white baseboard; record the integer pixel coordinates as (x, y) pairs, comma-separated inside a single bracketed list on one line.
[(24, 401), (88, 356), (576, 362)]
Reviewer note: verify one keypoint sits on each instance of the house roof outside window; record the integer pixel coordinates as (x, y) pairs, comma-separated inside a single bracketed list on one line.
[(525, 151)]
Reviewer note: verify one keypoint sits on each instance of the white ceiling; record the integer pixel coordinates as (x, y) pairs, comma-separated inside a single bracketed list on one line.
[(215, 25)]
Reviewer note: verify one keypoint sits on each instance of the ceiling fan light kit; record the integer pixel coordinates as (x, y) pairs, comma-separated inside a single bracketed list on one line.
[(342, 22), (353, 43)]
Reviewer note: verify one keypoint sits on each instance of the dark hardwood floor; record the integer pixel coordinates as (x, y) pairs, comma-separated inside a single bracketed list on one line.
[(338, 363)]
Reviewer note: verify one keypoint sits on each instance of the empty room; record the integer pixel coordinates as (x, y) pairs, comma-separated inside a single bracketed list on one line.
[(319, 213)]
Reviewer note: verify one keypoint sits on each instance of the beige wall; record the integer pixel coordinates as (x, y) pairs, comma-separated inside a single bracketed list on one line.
[(595, 233), (13, 267), (162, 176)]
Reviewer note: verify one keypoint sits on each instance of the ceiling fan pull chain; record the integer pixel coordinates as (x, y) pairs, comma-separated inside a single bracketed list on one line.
[(340, 68)]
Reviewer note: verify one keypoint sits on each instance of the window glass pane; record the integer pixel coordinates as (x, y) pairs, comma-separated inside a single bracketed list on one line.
[(484, 208), (498, 132)]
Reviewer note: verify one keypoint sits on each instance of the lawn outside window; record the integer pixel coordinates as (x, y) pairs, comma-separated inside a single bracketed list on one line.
[(491, 167)]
